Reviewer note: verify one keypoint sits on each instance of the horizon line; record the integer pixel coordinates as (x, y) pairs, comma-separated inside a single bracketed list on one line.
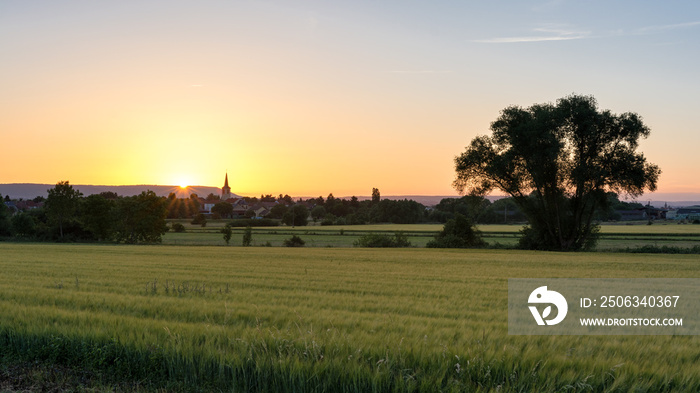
[(692, 194)]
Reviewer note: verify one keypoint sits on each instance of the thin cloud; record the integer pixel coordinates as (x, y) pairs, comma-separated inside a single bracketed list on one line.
[(420, 72), (652, 29), (555, 33), (543, 34)]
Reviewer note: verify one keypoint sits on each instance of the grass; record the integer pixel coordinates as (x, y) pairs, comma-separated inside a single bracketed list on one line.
[(318, 319)]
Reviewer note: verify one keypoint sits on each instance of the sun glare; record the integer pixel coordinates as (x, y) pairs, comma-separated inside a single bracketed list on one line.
[(183, 186)]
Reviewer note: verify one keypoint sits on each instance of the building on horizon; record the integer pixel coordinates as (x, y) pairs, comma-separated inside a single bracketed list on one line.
[(226, 190), (690, 213)]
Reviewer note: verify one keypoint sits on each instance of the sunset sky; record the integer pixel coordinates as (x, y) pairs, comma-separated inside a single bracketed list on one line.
[(313, 97)]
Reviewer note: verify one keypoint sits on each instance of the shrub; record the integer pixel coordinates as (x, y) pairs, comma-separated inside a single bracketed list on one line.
[(328, 219), (247, 236), (382, 241), (177, 227), (200, 219), (458, 232), (294, 241), (226, 230)]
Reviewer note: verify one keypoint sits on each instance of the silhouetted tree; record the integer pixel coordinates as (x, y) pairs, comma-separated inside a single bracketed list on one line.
[(223, 209), (22, 225), (247, 236), (558, 162), (375, 196), (297, 215), (97, 216), (277, 211), (397, 212), (228, 232), (317, 213), (5, 225), (286, 199), (140, 218), (62, 203), (109, 195)]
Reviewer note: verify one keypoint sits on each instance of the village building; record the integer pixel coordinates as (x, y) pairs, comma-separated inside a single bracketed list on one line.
[(690, 213), (226, 190), (647, 212), (240, 206), (21, 205), (631, 215)]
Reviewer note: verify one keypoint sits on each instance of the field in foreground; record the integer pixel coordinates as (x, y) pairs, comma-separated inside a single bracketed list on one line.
[(277, 319)]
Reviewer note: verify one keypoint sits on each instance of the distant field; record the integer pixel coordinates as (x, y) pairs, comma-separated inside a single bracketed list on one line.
[(613, 236), (318, 319)]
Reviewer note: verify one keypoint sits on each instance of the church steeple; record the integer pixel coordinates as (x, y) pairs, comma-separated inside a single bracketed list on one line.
[(225, 190)]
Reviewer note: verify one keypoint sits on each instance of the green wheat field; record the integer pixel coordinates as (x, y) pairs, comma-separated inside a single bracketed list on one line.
[(271, 319)]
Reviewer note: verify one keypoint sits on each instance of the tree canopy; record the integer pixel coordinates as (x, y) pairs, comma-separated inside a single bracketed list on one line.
[(140, 218), (558, 161), (223, 209), (62, 203)]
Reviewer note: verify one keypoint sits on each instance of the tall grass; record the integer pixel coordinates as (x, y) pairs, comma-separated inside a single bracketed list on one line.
[(276, 319)]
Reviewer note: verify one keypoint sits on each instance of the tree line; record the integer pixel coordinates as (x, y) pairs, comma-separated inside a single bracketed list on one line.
[(507, 211), (325, 211), (68, 216), (337, 211)]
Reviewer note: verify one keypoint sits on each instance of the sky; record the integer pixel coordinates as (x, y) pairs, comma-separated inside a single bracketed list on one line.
[(317, 97)]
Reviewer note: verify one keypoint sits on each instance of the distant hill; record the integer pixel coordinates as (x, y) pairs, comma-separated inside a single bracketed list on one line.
[(31, 190)]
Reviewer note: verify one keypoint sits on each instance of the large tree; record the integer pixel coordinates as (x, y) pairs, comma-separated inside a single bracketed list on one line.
[(297, 215), (97, 218), (62, 203), (558, 161), (223, 209), (5, 225), (140, 218)]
